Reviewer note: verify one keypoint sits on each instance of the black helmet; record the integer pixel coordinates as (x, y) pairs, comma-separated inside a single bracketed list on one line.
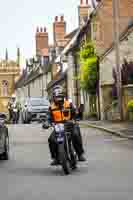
[(58, 94)]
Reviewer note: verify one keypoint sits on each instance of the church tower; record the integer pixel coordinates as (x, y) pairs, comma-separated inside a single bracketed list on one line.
[(9, 74), (18, 57)]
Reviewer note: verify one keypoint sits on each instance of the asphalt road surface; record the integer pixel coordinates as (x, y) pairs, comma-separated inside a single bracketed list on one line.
[(107, 174)]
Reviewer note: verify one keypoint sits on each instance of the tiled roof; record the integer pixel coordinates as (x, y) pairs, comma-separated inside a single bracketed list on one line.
[(71, 34), (34, 74)]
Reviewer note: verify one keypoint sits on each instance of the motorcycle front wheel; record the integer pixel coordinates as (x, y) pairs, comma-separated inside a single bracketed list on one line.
[(66, 166)]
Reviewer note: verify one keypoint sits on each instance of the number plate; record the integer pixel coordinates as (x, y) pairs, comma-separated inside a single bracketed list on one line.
[(60, 139)]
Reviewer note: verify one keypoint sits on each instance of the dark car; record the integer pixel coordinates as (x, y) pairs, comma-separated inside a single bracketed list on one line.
[(4, 138), (34, 109)]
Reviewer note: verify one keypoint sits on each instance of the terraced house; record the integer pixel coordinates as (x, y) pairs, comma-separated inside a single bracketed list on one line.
[(35, 76)]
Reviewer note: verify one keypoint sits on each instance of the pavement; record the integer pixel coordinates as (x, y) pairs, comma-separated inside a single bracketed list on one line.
[(106, 175), (121, 129)]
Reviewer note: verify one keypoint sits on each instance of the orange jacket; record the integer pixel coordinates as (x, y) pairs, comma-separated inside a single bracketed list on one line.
[(57, 113)]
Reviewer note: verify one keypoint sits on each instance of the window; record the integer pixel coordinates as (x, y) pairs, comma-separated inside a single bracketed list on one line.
[(4, 88)]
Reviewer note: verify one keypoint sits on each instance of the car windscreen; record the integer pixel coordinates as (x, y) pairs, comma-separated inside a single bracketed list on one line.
[(39, 102)]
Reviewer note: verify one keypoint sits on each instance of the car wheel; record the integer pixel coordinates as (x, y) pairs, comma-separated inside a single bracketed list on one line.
[(5, 155), (26, 120)]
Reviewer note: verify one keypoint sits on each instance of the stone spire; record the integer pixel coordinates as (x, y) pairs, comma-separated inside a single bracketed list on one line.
[(6, 55), (18, 56)]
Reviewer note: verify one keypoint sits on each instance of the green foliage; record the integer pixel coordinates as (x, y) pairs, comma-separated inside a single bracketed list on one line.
[(76, 77), (130, 105), (49, 67), (88, 68)]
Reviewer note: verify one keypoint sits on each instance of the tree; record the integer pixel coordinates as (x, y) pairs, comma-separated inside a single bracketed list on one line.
[(88, 68), (89, 73)]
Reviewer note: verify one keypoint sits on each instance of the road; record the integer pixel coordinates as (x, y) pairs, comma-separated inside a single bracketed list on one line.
[(107, 174)]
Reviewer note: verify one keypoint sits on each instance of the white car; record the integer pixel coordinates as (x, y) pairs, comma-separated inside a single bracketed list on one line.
[(33, 109)]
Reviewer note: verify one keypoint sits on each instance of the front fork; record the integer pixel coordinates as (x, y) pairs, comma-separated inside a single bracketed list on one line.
[(64, 149)]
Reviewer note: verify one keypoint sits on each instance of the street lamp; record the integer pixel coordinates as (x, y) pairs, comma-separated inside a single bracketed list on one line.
[(116, 16)]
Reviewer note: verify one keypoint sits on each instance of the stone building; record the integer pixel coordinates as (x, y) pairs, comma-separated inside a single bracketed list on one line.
[(9, 74), (103, 29), (64, 65), (106, 73), (33, 81)]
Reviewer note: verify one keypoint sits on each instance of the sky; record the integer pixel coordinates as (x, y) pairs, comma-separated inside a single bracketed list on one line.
[(19, 19)]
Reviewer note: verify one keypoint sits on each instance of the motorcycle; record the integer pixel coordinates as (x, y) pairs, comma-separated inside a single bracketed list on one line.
[(66, 154)]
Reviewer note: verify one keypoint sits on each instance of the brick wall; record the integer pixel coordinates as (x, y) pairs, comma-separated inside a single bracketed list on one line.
[(59, 30), (42, 45), (104, 22), (84, 10)]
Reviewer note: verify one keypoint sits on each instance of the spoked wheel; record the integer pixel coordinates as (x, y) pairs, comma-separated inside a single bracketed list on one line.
[(73, 161), (66, 166)]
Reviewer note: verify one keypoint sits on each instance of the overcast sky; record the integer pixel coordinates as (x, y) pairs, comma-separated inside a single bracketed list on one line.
[(19, 19)]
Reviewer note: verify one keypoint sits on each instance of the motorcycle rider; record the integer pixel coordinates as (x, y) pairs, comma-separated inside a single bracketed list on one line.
[(56, 115), (10, 106), (15, 109)]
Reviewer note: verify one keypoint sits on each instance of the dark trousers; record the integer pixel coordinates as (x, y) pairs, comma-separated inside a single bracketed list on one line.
[(76, 140), (10, 114), (18, 115)]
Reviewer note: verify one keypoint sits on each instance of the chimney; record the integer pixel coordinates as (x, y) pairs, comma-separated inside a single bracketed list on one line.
[(42, 45), (56, 19), (59, 30), (62, 18), (37, 30), (81, 2), (84, 11)]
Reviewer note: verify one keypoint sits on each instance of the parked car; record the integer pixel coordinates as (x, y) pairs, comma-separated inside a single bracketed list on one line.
[(34, 109), (4, 138)]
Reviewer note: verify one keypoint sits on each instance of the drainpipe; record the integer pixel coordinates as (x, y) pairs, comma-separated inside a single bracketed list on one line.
[(116, 21), (76, 82), (98, 77)]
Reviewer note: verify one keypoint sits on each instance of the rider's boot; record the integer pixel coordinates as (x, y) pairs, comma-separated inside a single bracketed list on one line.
[(81, 158), (54, 162)]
